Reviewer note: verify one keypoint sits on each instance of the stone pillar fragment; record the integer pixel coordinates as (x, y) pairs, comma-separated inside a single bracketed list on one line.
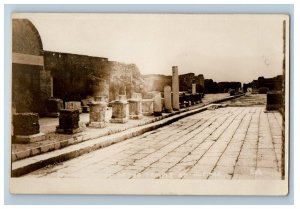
[(68, 121), (135, 109), (157, 105), (26, 128), (175, 88), (168, 99), (193, 88), (119, 112), (97, 114)]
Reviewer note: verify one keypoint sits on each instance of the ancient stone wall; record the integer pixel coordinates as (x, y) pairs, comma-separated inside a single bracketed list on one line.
[(274, 83), (27, 68), (74, 76)]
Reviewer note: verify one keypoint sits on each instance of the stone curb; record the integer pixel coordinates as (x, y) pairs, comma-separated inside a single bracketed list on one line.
[(27, 165)]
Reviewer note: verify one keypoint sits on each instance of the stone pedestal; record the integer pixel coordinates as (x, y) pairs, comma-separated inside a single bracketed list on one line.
[(197, 98), (97, 114), (26, 128), (53, 106), (168, 99), (135, 109), (274, 101), (193, 88), (147, 107), (157, 106), (175, 88), (193, 98), (188, 101), (182, 101), (119, 112), (73, 105), (68, 121)]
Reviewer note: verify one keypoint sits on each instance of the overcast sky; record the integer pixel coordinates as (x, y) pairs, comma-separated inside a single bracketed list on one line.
[(224, 48)]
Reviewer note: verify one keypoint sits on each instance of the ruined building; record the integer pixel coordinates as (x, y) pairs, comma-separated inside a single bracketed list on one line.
[(274, 83), (74, 76), (38, 75), (156, 82)]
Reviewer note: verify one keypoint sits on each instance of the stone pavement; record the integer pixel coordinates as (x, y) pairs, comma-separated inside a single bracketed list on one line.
[(225, 143), (57, 141)]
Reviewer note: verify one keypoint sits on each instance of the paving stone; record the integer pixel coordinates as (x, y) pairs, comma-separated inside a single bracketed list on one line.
[(227, 161), (250, 162), (266, 164), (244, 170), (224, 169)]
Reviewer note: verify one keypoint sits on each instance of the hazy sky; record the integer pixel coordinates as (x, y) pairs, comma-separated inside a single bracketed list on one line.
[(224, 48)]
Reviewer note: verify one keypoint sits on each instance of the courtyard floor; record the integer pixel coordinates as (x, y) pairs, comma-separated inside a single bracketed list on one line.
[(223, 143)]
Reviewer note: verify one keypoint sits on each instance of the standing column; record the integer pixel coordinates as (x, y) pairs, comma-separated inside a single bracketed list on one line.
[(157, 106), (168, 99), (175, 88), (193, 88)]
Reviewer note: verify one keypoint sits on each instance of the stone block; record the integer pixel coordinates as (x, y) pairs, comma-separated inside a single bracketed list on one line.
[(274, 100), (26, 124), (53, 106), (119, 112), (25, 139), (97, 114), (68, 121), (135, 108)]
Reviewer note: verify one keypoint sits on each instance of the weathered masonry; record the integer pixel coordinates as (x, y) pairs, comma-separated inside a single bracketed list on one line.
[(39, 75), (31, 83)]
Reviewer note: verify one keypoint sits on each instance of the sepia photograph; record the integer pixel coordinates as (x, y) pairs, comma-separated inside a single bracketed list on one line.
[(163, 104)]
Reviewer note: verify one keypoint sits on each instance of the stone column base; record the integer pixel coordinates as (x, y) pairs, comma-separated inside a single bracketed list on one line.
[(68, 131), (136, 117), (22, 139), (97, 124), (119, 120)]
